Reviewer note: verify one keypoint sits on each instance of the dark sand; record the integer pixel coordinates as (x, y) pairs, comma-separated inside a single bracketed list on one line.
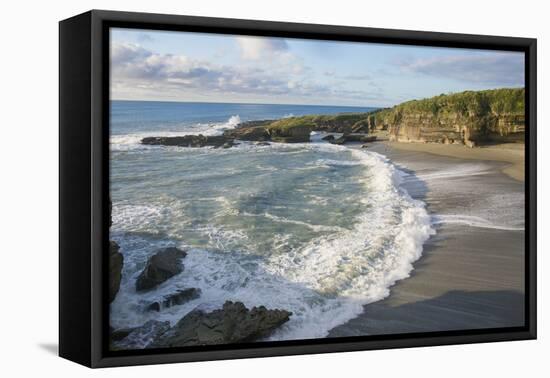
[(468, 277)]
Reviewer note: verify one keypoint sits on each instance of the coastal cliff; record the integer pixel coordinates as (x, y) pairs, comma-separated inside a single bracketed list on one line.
[(470, 118)]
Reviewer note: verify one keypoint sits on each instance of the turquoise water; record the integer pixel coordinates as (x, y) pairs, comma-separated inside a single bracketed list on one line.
[(314, 228)]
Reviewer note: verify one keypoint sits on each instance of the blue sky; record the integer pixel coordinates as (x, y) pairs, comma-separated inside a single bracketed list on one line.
[(181, 66)]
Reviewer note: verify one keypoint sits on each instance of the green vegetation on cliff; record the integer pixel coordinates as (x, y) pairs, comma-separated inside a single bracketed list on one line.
[(494, 101), (289, 124), (470, 117), (290, 130)]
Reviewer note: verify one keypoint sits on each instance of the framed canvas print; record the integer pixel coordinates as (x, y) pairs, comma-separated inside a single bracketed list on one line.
[(234, 188)]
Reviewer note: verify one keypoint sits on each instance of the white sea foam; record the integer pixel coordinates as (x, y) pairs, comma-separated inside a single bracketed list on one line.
[(324, 282), (132, 141)]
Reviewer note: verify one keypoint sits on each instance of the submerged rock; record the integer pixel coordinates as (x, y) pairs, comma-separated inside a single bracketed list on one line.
[(233, 323), (116, 261), (328, 137), (161, 266), (178, 298)]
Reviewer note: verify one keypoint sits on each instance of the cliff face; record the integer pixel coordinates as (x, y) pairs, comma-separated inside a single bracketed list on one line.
[(470, 118)]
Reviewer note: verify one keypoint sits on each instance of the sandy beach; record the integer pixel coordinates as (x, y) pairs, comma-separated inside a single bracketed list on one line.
[(471, 273)]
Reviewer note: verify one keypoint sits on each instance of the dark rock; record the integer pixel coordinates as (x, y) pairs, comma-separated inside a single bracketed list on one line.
[(187, 141), (121, 333), (262, 144), (161, 266), (116, 261), (328, 137), (140, 337), (234, 323), (155, 306), (178, 298), (340, 140)]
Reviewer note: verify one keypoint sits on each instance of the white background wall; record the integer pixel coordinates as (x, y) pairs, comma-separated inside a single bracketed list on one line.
[(29, 186)]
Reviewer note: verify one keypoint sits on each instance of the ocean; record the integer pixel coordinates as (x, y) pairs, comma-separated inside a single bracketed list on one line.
[(313, 228)]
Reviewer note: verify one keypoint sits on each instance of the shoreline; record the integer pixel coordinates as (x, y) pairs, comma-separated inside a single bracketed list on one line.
[(511, 153), (469, 276)]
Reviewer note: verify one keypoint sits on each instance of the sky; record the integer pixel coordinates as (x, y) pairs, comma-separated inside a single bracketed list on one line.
[(201, 67)]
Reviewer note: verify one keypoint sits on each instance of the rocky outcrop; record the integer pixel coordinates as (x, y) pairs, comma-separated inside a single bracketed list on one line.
[(178, 298), (287, 130), (163, 265), (470, 118), (290, 130), (116, 261), (188, 141), (233, 323), (336, 123), (343, 123), (249, 133)]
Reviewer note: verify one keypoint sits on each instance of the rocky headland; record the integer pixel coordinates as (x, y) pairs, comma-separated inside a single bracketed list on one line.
[(469, 118)]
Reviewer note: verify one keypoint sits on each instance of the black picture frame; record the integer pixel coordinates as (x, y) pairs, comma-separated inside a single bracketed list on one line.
[(84, 190)]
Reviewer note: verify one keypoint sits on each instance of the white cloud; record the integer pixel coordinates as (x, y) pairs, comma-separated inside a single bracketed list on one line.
[(254, 48), (495, 69), (139, 73)]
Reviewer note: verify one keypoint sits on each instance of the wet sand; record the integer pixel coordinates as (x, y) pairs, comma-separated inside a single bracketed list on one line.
[(471, 273), (511, 153)]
